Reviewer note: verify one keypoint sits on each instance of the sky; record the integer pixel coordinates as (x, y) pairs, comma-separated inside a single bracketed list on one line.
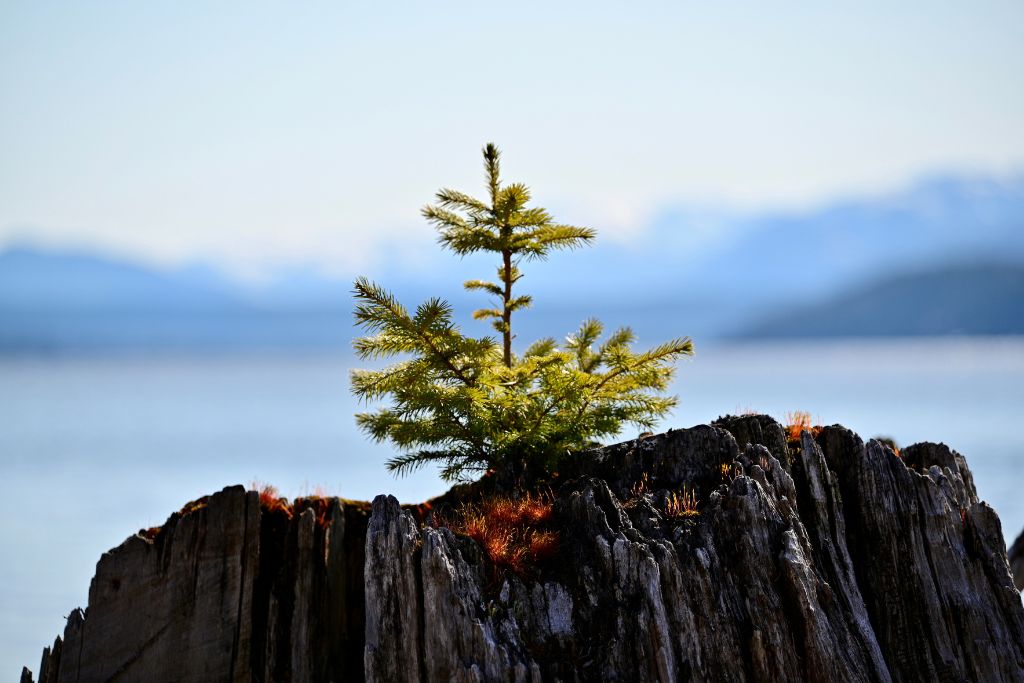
[(261, 135)]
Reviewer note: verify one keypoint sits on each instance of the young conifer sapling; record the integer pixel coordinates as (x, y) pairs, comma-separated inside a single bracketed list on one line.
[(472, 404)]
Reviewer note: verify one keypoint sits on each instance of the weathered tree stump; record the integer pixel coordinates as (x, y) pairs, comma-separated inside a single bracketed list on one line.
[(827, 559)]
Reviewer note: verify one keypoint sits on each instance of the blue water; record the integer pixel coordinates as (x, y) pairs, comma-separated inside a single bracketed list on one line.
[(94, 448)]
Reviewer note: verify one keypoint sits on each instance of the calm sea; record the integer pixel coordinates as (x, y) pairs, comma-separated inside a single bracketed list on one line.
[(94, 448)]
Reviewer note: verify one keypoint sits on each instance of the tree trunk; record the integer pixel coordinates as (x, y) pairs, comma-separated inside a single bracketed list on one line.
[(507, 311)]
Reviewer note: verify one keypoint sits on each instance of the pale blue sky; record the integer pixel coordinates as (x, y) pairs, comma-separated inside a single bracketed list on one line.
[(260, 134)]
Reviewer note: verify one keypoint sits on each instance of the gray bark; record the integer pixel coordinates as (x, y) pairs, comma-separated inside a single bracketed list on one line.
[(1016, 557)]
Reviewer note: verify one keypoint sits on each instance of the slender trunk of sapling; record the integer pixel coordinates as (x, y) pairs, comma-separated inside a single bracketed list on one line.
[(507, 312)]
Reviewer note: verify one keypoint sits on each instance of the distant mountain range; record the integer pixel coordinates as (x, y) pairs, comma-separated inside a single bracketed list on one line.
[(942, 257), (48, 281), (983, 299), (52, 301)]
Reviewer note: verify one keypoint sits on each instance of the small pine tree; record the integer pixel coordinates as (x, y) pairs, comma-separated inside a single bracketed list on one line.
[(507, 227), (472, 405)]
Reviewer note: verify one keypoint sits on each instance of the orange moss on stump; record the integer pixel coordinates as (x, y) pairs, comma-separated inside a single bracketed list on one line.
[(319, 506), (681, 505), (271, 502), (188, 508), (193, 505), (514, 533), (797, 423)]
